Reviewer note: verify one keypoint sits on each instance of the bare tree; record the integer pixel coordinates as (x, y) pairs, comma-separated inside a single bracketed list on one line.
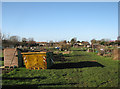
[(105, 39), (73, 40), (15, 38), (93, 41), (51, 43), (31, 42), (64, 41), (5, 40), (3, 36), (31, 39), (24, 39)]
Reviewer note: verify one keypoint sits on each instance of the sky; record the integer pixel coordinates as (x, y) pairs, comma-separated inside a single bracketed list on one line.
[(46, 21)]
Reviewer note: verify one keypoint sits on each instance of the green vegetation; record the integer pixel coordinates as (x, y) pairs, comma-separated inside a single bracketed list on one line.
[(1, 61), (1, 55), (79, 49), (79, 69)]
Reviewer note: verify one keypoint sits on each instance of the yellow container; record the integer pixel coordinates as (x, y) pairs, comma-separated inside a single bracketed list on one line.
[(35, 60)]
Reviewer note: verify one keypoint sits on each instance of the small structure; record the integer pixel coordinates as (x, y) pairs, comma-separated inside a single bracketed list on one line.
[(88, 46), (95, 45), (116, 54), (41, 43), (77, 45), (12, 57), (90, 50)]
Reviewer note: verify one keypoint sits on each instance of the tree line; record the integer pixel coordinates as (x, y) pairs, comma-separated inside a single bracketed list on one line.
[(8, 41)]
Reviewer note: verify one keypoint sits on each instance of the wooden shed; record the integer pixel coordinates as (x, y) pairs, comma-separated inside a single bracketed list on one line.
[(12, 57), (116, 54)]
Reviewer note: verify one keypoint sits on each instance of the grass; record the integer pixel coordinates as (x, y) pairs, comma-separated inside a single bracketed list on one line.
[(1, 61), (80, 69), (1, 55)]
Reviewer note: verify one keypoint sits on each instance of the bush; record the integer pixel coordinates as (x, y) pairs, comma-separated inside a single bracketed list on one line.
[(65, 47)]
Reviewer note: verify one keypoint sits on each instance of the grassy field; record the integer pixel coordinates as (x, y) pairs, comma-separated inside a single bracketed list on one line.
[(78, 69)]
